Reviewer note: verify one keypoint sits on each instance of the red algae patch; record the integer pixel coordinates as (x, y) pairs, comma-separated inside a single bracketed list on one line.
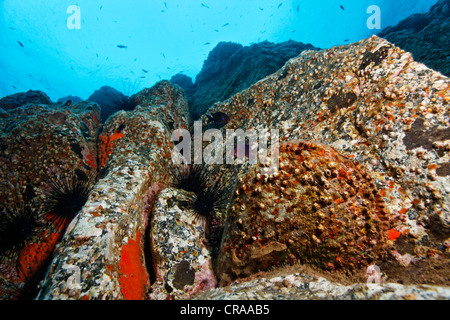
[(134, 278), (106, 146)]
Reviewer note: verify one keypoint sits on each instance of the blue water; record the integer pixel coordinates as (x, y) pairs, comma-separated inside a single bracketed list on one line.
[(130, 45)]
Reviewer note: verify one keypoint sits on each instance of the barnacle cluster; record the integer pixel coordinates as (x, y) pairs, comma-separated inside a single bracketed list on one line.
[(320, 208)]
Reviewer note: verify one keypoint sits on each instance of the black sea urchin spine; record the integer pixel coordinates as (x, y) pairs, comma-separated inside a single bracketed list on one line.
[(18, 227), (67, 196), (210, 190)]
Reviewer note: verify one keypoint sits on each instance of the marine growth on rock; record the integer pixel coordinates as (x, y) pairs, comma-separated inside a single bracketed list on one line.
[(320, 208)]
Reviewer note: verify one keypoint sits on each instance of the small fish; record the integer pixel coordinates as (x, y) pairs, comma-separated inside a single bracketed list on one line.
[(101, 7), (218, 118), (165, 5), (298, 8), (121, 46), (346, 40), (206, 43), (261, 8), (144, 70), (20, 43), (216, 30), (280, 5), (204, 5), (96, 55), (164, 56), (142, 77), (226, 24), (342, 7)]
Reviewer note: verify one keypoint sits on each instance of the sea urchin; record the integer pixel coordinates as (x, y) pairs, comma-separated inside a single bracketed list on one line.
[(18, 226), (208, 188), (67, 196)]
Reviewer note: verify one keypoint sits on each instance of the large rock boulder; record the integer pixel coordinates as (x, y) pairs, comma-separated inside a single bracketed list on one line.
[(102, 253), (361, 193), (19, 99), (382, 111), (426, 36), (45, 150), (182, 260), (111, 100), (320, 208), (231, 67)]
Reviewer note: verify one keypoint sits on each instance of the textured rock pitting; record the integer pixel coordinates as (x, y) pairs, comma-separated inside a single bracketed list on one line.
[(320, 208)]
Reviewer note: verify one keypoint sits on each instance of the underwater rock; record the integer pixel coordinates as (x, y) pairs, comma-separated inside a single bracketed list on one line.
[(320, 208), (368, 106), (231, 67), (299, 286), (109, 99), (375, 105), (43, 150), (74, 99), (21, 98), (185, 82), (180, 256), (426, 36), (101, 255)]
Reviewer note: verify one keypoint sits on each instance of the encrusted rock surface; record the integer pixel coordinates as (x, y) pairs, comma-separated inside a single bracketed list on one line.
[(379, 108), (101, 254), (181, 257), (299, 286), (41, 142), (363, 180), (320, 208)]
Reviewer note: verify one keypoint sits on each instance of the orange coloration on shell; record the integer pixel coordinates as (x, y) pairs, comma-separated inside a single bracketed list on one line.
[(134, 278)]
